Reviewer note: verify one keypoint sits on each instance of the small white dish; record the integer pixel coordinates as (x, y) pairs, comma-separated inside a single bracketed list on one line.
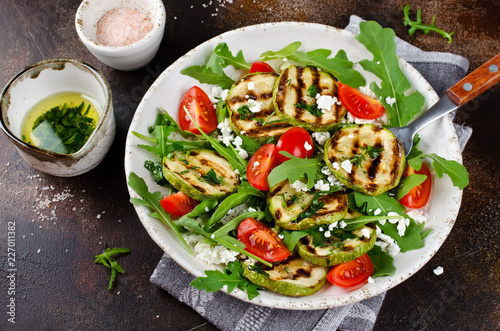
[(129, 57), (41, 80)]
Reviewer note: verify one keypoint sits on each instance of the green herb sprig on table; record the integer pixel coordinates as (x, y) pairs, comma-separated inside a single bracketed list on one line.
[(106, 259), (418, 25), (64, 129)]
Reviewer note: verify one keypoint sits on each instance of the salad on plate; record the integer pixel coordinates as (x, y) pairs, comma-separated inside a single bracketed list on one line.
[(283, 173)]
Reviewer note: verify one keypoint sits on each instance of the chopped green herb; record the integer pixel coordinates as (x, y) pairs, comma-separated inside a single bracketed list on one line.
[(312, 91), (63, 129), (244, 111), (316, 205), (211, 178), (313, 109), (372, 151)]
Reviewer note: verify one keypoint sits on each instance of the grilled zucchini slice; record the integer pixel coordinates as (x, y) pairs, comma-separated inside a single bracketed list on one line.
[(192, 172), (258, 89), (367, 158), (286, 205), (338, 250), (294, 276), (299, 86)]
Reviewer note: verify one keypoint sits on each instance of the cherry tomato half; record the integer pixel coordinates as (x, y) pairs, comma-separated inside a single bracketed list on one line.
[(351, 273), (261, 241), (296, 141), (178, 204), (201, 109), (259, 66), (419, 195), (359, 104), (260, 165)]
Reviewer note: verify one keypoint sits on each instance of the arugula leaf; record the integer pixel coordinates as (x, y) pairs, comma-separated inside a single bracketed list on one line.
[(226, 57), (383, 263), (408, 183), (456, 171), (418, 25), (294, 169), (152, 201), (207, 76), (339, 66), (156, 169), (107, 260), (412, 238), (232, 277), (385, 65), (292, 237)]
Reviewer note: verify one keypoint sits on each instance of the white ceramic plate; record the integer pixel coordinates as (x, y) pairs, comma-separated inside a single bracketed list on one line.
[(167, 91)]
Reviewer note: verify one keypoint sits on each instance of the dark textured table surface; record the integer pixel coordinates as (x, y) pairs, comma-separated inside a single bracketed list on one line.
[(62, 223)]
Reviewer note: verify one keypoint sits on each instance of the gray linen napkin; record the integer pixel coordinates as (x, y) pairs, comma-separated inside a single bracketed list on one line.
[(228, 313)]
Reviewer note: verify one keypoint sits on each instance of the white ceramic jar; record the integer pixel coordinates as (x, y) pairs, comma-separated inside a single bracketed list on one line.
[(129, 57)]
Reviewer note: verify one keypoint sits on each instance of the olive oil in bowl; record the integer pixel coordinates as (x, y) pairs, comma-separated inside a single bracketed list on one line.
[(61, 123)]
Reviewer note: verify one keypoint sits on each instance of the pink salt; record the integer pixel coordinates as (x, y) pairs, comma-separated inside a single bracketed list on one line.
[(122, 26)]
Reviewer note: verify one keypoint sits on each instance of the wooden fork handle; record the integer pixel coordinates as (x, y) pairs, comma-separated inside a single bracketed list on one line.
[(476, 82)]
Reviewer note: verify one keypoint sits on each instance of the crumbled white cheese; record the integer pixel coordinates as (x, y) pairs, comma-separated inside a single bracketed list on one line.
[(342, 224), (402, 224), (322, 186), (333, 225), (226, 131), (321, 229), (390, 101), (382, 120), (370, 280), (377, 211), (207, 209), (365, 232), (223, 94), (254, 106), (347, 166), (335, 166), (280, 236), (251, 86), (321, 137), (256, 164), (238, 142), (438, 271), (325, 102), (307, 146), (387, 244), (242, 153), (327, 234), (299, 186), (251, 209)]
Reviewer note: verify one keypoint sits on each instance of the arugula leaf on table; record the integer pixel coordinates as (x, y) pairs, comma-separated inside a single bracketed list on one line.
[(152, 201), (232, 277), (385, 65), (294, 169), (106, 259), (418, 25), (339, 66), (412, 238), (383, 263)]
